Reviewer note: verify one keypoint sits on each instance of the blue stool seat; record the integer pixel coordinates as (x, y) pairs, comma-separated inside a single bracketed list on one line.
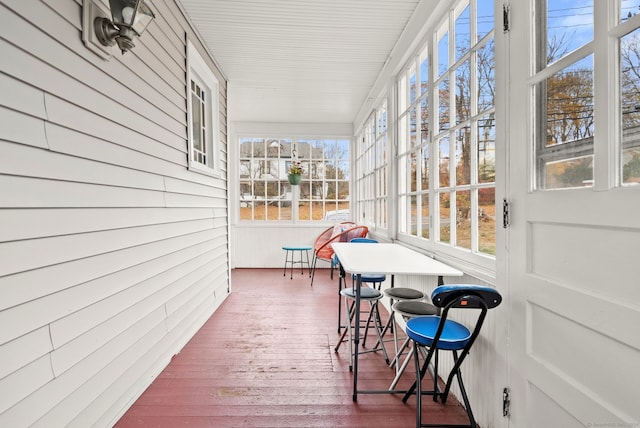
[(370, 278), (423, 329)]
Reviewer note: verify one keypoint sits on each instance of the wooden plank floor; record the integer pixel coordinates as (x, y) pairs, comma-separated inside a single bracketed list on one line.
[(266, 359)]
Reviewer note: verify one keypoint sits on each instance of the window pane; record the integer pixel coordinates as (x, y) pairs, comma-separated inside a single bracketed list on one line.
[(486, 76), (330, 149), (425, 216), (414, 215), (485, 17), (443, 53), (463, 219), (443, 105), (486, 150), (631, 165), (412, 130), (424, 120), (487, 220), (412, 87), (424, 73), (630, 106), (260, 211), (463, 33), (413, 170), (425, 167), (196, 124), (381, 117), (577, 172), (568, 109), (569, 26), (463, 156), (629, 8), (569, 95), (246, 200), (443, 161), (463, 92), (445, 217)]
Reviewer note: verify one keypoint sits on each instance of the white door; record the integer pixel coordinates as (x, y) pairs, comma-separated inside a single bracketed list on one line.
[(573, 244)]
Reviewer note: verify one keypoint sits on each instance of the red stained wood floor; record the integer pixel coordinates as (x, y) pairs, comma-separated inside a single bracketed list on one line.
[(266, 359)]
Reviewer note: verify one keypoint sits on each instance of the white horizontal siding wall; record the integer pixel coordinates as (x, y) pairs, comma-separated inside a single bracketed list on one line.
[(112, 253)]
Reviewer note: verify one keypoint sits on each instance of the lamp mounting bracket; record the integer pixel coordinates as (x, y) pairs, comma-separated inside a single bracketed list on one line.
[(91, 11)]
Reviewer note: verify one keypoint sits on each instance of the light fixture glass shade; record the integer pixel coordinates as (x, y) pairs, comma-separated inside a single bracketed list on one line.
[(133, 14)]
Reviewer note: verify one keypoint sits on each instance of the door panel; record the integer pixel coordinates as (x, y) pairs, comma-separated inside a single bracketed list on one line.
[(572, 273)]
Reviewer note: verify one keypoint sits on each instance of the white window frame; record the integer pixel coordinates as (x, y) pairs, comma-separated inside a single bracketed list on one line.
[(199, 72), (314, 177), (372, 165), (478, 263)]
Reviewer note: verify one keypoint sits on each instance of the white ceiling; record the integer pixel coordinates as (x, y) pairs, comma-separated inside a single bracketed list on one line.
[(299, 60)]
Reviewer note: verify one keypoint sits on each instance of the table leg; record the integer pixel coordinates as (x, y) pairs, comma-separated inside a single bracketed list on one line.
[(286, 258), (301, 265), (291, 266), (357, 337)]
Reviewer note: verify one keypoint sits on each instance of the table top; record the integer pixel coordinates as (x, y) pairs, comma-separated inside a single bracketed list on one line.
[(383, 258)]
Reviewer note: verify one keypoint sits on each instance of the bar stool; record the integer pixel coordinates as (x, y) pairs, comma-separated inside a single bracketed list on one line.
[(374, 280), (437, 332), (398, 294), (301, 249), (408, 309), (371, 296)]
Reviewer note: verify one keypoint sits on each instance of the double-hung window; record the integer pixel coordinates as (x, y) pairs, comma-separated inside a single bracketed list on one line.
[(203, 113), (576, 41)]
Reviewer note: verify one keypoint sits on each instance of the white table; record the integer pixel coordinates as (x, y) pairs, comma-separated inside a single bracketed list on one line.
[(390, 259)]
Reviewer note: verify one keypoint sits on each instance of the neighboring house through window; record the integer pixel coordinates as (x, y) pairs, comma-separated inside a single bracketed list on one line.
[(265, 192)]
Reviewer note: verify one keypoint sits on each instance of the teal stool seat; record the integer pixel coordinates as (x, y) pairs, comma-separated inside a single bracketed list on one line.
[(301, 249)]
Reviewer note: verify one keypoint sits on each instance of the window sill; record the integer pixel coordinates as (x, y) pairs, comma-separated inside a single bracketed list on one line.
[(201, 169), (479, 266)]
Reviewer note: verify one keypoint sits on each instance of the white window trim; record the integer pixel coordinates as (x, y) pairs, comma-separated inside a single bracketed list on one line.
[(477, 264), (198, 68)]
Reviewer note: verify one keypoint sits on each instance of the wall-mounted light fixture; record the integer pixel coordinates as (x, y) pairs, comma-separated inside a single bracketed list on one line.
[(129, 18)]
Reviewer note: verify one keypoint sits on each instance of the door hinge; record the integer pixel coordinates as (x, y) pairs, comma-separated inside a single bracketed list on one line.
[(505, 213), (506, 401), (506, 26)]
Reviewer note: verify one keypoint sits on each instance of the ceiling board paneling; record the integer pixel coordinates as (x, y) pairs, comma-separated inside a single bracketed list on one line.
[(296, 60)]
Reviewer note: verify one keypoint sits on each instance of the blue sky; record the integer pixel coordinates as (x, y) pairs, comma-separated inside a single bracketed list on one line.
[(571, 19)]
